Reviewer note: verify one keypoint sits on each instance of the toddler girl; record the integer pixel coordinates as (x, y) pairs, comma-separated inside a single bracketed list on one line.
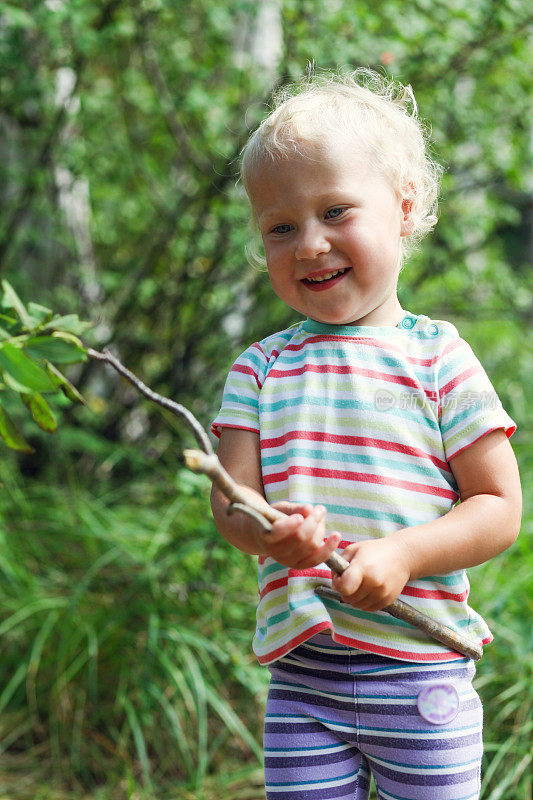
[(365, 423)]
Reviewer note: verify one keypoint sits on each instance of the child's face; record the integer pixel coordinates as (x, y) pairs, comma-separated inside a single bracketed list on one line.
[(331, 228)]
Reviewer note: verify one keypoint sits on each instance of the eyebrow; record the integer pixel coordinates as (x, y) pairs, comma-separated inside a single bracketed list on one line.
[(269, 216), (331, 199)]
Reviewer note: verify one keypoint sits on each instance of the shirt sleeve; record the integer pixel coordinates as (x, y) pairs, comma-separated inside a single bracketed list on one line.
[(469, 407), (240, 400)]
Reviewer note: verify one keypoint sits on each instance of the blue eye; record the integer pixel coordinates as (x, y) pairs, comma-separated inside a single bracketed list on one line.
[(281, 229), (333, 213)]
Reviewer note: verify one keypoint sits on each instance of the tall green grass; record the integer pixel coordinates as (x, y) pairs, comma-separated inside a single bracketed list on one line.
[(125, 627), (503, 591), (126, 669)]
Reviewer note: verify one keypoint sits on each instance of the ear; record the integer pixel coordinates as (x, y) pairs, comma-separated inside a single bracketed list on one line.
[(407, 223)]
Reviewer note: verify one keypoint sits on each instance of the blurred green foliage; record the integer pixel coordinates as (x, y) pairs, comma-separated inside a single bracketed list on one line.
[(32, 341), (120, 129)]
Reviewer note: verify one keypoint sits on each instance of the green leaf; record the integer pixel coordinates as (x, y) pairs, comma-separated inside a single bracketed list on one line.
[(12, 300), (70, 323), (68, 389), (40, 411), (40, 313), (11, 435), (21, 373), (59, 347)]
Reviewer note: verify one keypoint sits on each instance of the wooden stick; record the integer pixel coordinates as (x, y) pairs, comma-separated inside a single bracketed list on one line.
[(408, 613), (211, 466)]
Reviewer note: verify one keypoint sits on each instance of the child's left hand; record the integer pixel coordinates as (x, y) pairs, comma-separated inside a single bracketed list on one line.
[(377, 573)]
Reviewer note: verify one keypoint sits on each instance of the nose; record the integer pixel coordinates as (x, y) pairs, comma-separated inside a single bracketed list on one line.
[(311, 242)]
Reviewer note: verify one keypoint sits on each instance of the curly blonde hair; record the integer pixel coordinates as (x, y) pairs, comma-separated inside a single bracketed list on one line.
[(382, 113)]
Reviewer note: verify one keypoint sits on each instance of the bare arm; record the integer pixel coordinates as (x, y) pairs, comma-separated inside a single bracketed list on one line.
[(297, 540), (238, 452), (484, 524)]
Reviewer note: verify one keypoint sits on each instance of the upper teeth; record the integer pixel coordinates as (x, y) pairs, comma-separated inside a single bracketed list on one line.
[(327, 276)]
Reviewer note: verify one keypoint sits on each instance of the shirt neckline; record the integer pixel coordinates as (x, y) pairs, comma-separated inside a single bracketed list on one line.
[(407, 322)]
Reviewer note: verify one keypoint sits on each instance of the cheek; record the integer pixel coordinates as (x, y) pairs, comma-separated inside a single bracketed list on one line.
[(277, 276), (363, 251), (277, 263), (378, 245)]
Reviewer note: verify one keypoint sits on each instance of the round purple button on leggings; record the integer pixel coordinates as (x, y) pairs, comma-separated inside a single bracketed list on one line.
[(438, 703)]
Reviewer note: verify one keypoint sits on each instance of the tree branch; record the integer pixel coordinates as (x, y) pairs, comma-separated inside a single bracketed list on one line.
[(177, 409)]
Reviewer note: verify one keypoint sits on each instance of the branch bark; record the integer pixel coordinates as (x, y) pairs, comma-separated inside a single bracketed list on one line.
[(177, 409)]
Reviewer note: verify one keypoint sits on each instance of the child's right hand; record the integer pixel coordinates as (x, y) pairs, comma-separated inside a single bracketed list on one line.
[(298, 540)]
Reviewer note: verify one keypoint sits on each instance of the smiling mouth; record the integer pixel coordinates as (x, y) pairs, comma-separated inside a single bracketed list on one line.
[(325, 280)]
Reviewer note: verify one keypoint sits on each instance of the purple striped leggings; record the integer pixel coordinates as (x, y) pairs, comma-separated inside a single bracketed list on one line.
[(336, 716)]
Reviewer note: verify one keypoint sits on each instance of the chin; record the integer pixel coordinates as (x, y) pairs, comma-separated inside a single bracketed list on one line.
[(333, 319), (339, 317)]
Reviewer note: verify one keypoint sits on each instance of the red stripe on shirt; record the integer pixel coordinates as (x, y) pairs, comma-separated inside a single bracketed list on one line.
[(458, 380), (344, 369), (422, 362), (349, 642), (337, 474), (244, 369), (215, 429), (355, 441), (434, 594), (410, 591), (277, 583)]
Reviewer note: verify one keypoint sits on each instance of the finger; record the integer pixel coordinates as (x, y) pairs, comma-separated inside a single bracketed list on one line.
[(368, 603), (295, 538), (316, 512), (315, 521), (305, 509), (372, 607), (350, 551), (350, 581), (380, 600), (322, 553), (307, 537), (362, 599), (284, 527), (361, 603), (371, 599), (289, 543), (287, 508), (302, 548)]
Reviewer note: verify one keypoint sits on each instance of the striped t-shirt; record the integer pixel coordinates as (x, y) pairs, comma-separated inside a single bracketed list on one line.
[(362, 420)]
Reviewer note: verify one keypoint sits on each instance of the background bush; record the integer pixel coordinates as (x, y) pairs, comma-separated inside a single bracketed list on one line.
[(126, 666)]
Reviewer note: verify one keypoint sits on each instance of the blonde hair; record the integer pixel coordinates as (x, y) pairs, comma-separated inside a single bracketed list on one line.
[(380, 112)]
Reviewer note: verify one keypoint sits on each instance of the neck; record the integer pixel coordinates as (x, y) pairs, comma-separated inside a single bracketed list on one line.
[(389, 313)]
